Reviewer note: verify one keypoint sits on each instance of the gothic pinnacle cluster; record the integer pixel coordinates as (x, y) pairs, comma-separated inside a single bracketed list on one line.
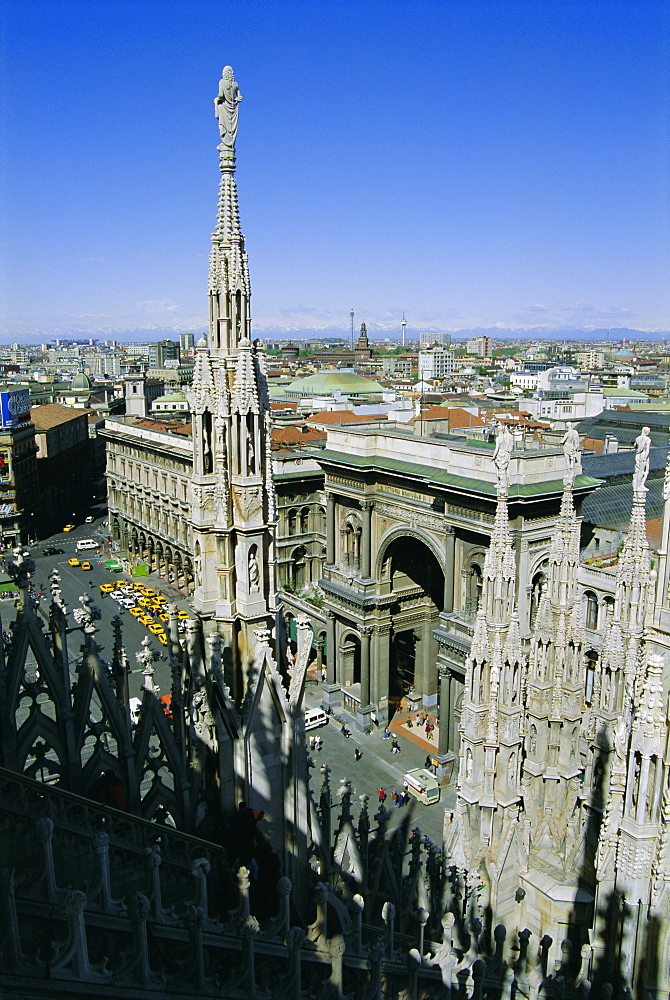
[(233, 500)]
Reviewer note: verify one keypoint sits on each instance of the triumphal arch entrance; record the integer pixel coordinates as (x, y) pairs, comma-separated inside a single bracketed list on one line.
[(408, 524)]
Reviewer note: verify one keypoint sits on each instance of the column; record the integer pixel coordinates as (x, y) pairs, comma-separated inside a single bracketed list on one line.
[(366, 555), (365, 666), (330, 643), (319, 657), (363, 720), (331, 696), (449, 547), (330, 534), (445, 711)]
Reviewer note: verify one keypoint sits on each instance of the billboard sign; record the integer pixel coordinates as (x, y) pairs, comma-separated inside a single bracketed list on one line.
[(14, 407), (5, 465)]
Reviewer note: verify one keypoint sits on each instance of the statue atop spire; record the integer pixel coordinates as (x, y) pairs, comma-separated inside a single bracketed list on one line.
[(225, 107), (571, 450), (501, 456), (642, 446)]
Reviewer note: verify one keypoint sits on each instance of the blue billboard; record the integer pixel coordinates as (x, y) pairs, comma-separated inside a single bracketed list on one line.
[(14, 407)]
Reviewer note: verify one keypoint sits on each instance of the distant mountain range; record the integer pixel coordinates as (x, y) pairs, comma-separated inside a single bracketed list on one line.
[(376, 333)]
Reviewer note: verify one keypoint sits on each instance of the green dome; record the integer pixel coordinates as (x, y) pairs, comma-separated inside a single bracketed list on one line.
[(82, 381), (326, 383)]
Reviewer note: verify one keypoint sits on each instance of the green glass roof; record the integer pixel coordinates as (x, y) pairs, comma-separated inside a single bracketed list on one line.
[(325, 383)]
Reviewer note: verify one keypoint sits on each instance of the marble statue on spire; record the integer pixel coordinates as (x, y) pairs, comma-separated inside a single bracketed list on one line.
[(642, 446), (225, 107), (571, 450), (502, 454)]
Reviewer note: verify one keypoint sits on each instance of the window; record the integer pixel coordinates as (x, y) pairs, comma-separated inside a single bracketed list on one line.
[(591, 610)]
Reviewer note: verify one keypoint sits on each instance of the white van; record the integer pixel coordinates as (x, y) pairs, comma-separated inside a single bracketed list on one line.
[(423, 785), (86, 543), (315, 717)]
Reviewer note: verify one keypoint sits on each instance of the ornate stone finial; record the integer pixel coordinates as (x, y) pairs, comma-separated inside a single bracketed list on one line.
[(87, 615), (225, 107), (502, 454), (642, 446), (146, 658), (571, 450)]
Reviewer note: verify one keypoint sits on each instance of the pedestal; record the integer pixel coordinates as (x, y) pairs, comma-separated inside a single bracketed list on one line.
[(363, 718), (331, 697), (446, 771)]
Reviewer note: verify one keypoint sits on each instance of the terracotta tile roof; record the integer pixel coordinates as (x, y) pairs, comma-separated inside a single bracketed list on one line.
[(334, 417), (286, 437), (52, 414)]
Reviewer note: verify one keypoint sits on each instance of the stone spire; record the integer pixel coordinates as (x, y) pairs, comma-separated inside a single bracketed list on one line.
[(233, 499), (492, 715), (554, 702)]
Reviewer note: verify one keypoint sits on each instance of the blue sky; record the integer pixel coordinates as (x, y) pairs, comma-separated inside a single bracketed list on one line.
[(470, 163)]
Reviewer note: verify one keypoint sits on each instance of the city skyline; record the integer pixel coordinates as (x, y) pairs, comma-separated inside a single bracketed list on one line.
[(499, 166)]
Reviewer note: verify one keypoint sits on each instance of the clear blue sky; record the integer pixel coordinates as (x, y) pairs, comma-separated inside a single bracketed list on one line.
[(470, 163)]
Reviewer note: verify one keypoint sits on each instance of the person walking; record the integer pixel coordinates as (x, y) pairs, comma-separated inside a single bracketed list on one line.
[(382, 796), (394, 797), (357, 754), (394, 746)]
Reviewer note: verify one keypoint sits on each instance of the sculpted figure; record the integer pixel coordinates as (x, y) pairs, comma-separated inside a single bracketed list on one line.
[(642, 446), (502, 453), (254, 575), (570, 444), (225, 107)]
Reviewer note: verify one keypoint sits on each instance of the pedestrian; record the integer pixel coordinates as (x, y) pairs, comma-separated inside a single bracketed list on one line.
[(394, 746), (312, 743), (386, 733), (358, 754), (405, 796), (394, 797), (382, 796), (428, 763), (318, 743), (410, 724)]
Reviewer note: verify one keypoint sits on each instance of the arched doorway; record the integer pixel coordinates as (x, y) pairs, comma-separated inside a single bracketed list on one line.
[(412, 574)]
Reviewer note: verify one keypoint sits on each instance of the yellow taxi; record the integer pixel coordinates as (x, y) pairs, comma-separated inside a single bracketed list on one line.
[(182, 615), (156, 629), (144, 602), (86, 565), (69, 527), (107, 588), (73, 561), (136, 612), (162, 638), (138, 585), (163, 617), (148, 592), (145, 619)]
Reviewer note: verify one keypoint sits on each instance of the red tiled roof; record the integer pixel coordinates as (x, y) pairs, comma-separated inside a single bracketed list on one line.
[(343, 417)]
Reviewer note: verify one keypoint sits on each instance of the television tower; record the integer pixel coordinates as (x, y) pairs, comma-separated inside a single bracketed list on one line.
[(404, 326), (352, 328)]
